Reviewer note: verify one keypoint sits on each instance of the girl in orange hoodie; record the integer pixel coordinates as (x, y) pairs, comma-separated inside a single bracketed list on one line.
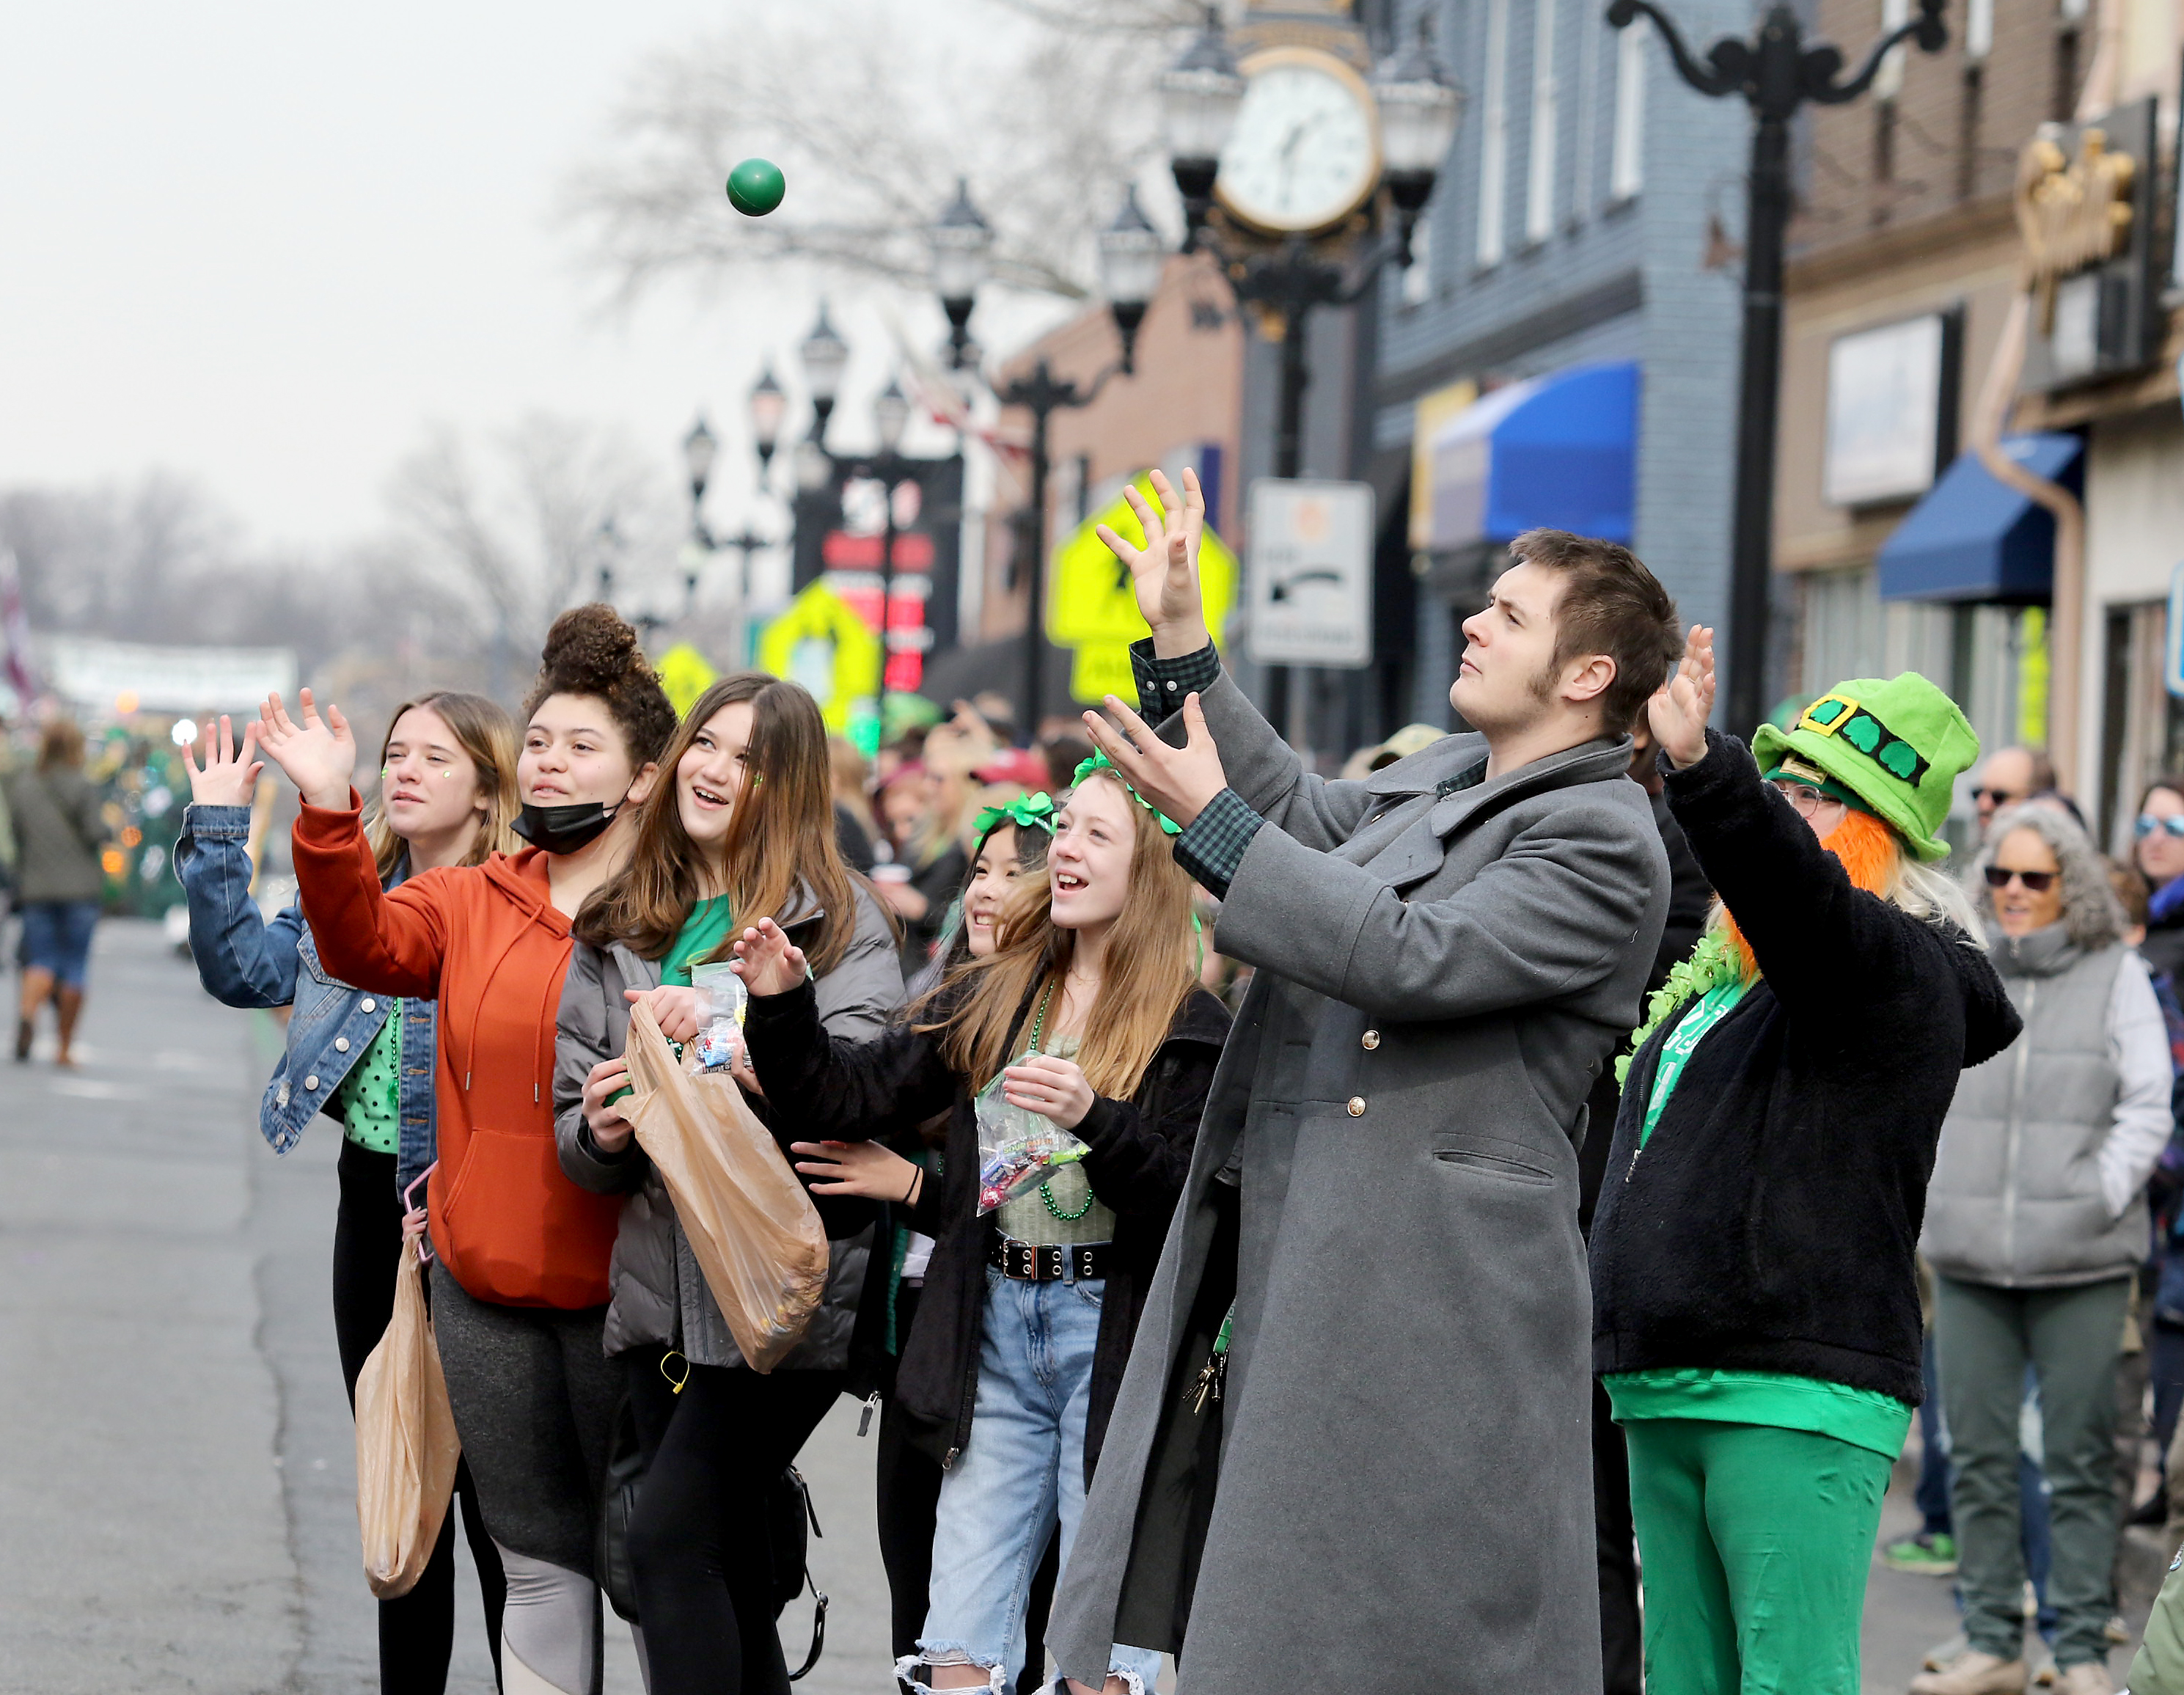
[(519, 1285)]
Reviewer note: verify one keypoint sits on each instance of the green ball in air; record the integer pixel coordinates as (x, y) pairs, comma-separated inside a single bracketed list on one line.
[(755, 187)]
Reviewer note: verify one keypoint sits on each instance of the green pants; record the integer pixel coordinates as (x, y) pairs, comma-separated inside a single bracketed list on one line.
[(1984, 1338), (1754, 1542)]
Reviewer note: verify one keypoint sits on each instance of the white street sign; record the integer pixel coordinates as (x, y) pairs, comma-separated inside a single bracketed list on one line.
[(1310, 572)]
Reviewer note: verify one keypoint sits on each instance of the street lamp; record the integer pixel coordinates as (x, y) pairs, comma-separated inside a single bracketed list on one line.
[(769, 406), (1775, 75), (1200, 95), (1130, 261), (824, 356), (699, 449)]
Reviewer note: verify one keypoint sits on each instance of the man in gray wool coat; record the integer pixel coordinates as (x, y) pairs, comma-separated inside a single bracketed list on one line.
[(1352, 1449)]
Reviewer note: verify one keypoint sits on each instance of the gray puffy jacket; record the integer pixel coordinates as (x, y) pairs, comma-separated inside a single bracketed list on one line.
[(2039, 1178), (659, 1293)]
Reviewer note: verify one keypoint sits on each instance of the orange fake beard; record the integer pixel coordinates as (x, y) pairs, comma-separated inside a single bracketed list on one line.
[(1866, 849)]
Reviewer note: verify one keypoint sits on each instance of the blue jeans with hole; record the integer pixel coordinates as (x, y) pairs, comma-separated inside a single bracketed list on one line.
[(1018, 1481)]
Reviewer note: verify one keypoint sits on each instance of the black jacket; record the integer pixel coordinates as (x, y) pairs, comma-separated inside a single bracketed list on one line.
[(1772, 1220), (1140, 1151)]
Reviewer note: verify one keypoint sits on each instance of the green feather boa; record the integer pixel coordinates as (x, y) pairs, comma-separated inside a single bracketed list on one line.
[(1711, 963)]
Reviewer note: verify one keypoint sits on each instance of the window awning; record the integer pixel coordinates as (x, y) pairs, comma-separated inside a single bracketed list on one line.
[(1973, 538), (1559, 450)]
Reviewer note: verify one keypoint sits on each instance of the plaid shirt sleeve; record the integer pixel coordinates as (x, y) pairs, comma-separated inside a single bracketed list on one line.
[(1163, 682), (1211, 846)]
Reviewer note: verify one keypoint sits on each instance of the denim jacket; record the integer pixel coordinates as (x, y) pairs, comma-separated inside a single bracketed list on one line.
[(244, 960)]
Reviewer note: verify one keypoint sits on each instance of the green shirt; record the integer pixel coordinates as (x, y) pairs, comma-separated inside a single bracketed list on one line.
[(1864, 1418), (369, 1102), (1076, 1215), (703, 931)]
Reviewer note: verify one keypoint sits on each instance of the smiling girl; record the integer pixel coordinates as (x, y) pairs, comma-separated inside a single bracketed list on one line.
[(447, 794), (1029, 1312), (744, 825), (520, 1284)]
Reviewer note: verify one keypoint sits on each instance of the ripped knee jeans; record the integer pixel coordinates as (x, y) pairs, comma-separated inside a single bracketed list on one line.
[(1019, 1480)]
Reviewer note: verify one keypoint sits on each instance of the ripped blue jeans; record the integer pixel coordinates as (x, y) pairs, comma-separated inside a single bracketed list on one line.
[(1019, 1480)]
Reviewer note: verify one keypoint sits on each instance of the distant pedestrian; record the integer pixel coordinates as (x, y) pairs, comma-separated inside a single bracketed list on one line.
[(60, 881), (2037, 1218), (1755, 1304), (2157, 850), (2008, 777)]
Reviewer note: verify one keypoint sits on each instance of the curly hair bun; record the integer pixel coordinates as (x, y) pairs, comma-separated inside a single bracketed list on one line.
[(591, 650)]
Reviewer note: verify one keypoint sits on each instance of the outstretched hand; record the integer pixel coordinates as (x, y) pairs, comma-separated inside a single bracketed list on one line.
[(1678, 711), (1164, 572), (765, 960), (1179, 782), (229, 775), (318, 755)]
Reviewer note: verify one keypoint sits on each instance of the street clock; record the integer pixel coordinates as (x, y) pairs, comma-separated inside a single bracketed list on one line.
[(1305, 153)]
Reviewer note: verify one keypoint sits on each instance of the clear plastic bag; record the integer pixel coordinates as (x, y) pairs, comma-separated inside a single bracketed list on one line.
[(720, 1042), (406, 1447), (1018, 1148), (753, 1231)]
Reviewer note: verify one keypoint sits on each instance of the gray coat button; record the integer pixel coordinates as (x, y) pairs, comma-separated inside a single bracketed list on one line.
[(1357, 1106), (1369, 1041)]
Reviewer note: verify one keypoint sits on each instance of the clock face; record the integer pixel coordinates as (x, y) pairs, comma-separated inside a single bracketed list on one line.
[(1304, 153)]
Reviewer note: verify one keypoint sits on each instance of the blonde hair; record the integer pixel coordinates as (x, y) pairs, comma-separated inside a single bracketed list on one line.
[(484, 730), (1150, 969)]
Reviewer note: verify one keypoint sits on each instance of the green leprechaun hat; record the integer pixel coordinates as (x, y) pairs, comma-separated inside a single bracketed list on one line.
[(1898, 746)]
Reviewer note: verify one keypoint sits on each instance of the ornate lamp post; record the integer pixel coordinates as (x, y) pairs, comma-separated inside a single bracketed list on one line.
[(1775, 73), (1131, 255)]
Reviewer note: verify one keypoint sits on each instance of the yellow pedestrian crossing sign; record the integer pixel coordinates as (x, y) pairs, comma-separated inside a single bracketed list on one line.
[(822, 643), (684, 675), (1095, 611)]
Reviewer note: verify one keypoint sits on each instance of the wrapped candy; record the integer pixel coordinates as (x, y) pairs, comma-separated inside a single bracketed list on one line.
[(1018, 1148), (719, 1044)]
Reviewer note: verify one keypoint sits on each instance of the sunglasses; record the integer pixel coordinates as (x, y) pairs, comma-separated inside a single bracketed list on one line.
[(1996, 797), (2038, 882), (2148, 824)]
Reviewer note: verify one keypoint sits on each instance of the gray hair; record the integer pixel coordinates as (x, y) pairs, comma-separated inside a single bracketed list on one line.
[(2092, 916)]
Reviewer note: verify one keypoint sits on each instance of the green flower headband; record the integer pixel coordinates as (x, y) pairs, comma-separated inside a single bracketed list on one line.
[(1026, 812), (1099, 762)]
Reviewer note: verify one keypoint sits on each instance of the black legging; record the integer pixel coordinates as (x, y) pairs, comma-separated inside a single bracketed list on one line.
[(698, 1546), (416, 1631)]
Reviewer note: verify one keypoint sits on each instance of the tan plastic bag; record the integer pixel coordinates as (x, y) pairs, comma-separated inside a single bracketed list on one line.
[(406, 1447), (756, 1235)]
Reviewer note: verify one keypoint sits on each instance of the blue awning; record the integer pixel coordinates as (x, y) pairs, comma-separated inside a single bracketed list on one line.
[(1559, 450), (1973, 538)]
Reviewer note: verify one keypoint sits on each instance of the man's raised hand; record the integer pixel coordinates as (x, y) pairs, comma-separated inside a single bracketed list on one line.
[(1179, 782), (1164, 572), (318, 756)]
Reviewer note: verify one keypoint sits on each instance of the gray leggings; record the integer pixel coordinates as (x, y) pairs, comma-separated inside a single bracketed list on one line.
[(533, 1396)]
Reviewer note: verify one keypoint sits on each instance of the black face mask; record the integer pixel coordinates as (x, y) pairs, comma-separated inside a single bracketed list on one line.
[(563, 829)]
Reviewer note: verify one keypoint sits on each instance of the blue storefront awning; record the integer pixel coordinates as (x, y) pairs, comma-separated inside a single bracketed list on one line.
[(1558, 450), (1973, 538)]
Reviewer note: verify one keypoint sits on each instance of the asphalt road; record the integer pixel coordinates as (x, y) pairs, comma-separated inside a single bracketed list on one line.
[(177, 1471)]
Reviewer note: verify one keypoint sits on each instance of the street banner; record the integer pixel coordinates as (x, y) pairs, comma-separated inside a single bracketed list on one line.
[(131, 677), (1309, 599)]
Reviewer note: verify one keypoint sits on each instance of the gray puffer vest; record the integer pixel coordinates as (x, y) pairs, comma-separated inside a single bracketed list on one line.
[(2015, 1199), (659, 1292)]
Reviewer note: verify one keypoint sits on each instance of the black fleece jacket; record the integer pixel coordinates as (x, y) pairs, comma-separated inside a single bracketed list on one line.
[(1139, 1155), (1771, 1221)]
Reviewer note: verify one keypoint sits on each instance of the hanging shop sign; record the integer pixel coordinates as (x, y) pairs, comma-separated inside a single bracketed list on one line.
[(2172, 660), (1892, 409), (2085, 213)]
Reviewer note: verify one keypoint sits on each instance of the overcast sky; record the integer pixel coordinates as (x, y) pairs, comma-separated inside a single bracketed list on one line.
[(266, 245)]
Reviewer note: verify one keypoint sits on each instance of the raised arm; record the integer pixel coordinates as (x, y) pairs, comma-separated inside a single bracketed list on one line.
[(241, 959), (1550, 917)]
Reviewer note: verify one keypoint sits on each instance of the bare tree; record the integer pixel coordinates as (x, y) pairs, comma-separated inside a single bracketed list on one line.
[(554, 513), (873, 108)]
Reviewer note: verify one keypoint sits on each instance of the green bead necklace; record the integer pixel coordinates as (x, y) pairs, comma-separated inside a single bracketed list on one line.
[(1045, 1191)]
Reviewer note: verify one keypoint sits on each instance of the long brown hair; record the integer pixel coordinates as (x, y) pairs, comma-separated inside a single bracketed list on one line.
[(781, 833), (484, 732), (1149, 973)]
